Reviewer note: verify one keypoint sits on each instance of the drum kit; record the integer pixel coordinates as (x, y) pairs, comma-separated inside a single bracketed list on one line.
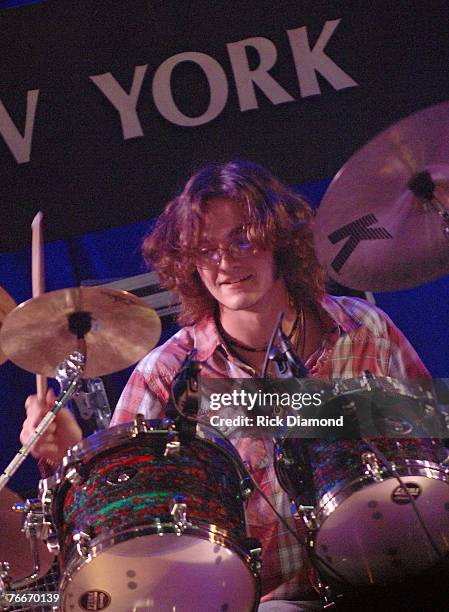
[(145, 516)]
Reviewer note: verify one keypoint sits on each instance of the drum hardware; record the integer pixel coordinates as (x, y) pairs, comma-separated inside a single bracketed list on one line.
[(83, 541), (35, 528), (306, 514), (140, 425), (326, 593), (5, 577), (159, 527), (246, 487), (53, 542), (372, 465), (73, 473), (422, 185), (69, 376), (178, 510), (173, 446), (254, 554), (92, 402)]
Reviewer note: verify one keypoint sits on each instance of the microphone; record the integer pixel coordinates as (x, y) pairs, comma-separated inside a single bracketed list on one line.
[(185, 389), (297, 367), (286, 362)]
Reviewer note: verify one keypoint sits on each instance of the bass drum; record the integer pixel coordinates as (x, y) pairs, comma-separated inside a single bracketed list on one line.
[(147, 520)]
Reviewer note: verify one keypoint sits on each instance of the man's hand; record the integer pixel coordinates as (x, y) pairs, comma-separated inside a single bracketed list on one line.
[(60, 435)]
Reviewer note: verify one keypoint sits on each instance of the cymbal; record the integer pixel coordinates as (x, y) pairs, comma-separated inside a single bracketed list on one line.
[(14, 546), (113, 329), (372, 232), (6, 305)]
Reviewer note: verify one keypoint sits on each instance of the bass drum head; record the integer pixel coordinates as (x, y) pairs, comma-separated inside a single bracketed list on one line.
[(165, 573)]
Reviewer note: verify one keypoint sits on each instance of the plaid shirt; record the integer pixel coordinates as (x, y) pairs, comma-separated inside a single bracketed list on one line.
[(358, 337)]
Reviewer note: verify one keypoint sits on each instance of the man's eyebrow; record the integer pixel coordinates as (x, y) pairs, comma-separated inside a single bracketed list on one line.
[(232, 232)]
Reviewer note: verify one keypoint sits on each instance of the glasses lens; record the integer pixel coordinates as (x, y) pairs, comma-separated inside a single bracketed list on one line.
[(210, 257), (207, 258), (240, 247)]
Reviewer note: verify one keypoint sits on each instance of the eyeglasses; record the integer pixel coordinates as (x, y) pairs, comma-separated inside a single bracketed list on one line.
[(238, 248)]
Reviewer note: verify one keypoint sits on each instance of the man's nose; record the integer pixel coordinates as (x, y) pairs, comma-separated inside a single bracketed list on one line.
[(226, 260)]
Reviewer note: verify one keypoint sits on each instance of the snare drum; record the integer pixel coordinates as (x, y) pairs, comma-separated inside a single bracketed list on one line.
[(146, 522), (360, 520)]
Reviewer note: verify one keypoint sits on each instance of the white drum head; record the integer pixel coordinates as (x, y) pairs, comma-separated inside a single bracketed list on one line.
[(163, 573), (375, 536)]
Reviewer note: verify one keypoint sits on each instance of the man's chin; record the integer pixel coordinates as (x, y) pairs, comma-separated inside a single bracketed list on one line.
[(239, 303)]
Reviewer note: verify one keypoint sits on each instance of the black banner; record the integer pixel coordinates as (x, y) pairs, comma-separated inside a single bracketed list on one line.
[(107, 106)]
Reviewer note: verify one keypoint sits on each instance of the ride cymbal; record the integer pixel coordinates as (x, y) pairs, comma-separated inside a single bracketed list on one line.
[(113, 329), (383, 223), (6, 305)]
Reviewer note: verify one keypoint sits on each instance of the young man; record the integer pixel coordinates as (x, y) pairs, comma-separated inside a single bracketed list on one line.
[(236, 247)]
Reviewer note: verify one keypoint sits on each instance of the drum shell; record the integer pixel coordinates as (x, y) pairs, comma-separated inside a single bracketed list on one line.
[(119, 488)]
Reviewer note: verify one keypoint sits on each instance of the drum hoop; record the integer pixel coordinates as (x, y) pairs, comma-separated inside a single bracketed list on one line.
[(408, 467), (205, 531), (114, 437), (397, 386)]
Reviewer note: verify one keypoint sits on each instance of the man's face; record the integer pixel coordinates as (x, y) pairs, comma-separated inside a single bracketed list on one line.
[(237, 283)]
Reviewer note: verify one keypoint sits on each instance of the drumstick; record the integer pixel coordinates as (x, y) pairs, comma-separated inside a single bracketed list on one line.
[(38, 282)]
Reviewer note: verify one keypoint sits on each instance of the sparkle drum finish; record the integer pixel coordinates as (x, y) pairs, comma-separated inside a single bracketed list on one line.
[(148, 520), (360, 520)]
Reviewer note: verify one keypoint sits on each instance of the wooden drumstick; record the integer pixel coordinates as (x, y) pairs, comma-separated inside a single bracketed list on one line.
[(38, 282)]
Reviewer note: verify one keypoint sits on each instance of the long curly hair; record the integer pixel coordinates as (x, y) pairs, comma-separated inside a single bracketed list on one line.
[(275, 218)]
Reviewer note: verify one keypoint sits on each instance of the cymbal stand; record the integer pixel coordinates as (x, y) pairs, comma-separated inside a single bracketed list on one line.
[(423, 187), (69, 376)]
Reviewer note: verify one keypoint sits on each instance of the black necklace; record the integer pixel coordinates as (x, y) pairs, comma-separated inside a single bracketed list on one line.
[(263, 349)]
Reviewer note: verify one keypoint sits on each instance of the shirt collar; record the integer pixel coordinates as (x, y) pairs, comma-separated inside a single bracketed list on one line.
[(207, 337), (334, 315)]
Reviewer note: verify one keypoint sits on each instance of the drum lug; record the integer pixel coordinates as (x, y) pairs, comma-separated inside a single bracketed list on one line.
[(82, 540), (73, 474), (246, 487), (140, 425), (255, 555), (51, 536), (158, 525), (53, 543), (5, 577), (307, 515), (372, 465), (173, 445), (178, 510)]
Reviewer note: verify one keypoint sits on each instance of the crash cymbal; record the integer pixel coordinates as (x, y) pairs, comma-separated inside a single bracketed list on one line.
[(378, 227), (6, 305), (14, 546), (116, 329)]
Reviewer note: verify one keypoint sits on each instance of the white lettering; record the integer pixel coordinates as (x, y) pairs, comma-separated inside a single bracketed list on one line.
[(309, 61), (123, 102), (20, 146), (246, 78), (162, 93)]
